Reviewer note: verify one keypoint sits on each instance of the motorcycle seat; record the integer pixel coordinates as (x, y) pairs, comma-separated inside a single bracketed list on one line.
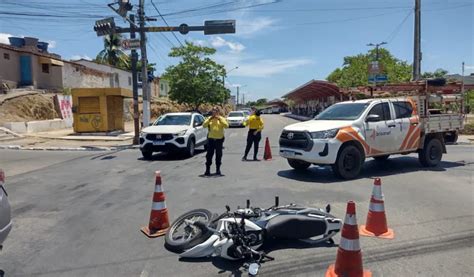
[(295, 227)]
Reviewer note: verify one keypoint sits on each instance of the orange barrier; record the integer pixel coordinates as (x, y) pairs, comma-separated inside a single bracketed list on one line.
[(376, 220), (159, 220), (349, 255), (267, 155)]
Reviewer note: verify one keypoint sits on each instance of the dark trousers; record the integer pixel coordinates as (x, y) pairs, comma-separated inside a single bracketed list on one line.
[(253, 139), (214, 145)]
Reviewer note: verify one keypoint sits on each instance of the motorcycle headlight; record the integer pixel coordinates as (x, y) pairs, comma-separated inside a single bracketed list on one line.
[(324, 134), (182, 133)]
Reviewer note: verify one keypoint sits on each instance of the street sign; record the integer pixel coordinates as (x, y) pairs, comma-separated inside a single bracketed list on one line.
[(378, 78), (130, 44)]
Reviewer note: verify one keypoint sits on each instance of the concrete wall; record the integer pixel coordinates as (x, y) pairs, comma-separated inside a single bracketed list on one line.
[(79, 76), (35, 126), (9, 68), (164, 88), (118, 78), (42, 80)]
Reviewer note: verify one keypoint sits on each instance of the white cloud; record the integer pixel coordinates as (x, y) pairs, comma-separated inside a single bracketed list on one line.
[(78, 57), (247, 27), (52, 43), (4, 38), (219, 42), (468, 66)]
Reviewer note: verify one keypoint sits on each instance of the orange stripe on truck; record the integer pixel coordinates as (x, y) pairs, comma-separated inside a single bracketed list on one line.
[(348, 134)]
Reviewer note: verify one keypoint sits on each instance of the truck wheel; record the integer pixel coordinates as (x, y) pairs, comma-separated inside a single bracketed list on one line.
[(431, 153), (298, 165), (147, 155), (348, 163), (381, 158)]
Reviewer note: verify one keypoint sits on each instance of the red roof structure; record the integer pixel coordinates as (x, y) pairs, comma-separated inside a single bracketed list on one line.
[(313, 90)]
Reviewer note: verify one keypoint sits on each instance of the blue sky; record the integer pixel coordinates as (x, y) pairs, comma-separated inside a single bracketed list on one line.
[(279, 44)]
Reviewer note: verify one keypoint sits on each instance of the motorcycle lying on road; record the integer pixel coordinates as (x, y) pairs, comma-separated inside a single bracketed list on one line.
[(239, 234)]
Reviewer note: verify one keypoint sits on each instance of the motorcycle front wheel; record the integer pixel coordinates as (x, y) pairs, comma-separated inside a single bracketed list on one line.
[(182, 235)]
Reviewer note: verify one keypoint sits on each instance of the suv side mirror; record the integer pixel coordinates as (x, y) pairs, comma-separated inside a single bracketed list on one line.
[(372, 118), (196, 124)]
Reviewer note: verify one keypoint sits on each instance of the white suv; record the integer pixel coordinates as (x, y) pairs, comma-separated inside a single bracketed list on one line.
[(174, 132)]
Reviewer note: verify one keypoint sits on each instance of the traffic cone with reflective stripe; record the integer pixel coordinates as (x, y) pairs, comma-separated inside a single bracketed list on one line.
[(349, 255), (267, 155), (376, 220), (159, 221)]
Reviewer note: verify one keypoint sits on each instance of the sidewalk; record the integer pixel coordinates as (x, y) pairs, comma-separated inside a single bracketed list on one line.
[(67, 140)]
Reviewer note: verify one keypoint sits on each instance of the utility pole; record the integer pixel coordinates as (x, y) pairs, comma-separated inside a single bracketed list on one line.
[(417, 42), (237, 104), (243, 99), (145, 90), (136, 119)]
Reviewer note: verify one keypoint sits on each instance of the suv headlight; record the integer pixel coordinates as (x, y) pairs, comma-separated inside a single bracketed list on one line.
[(182, 133), (324, 134)]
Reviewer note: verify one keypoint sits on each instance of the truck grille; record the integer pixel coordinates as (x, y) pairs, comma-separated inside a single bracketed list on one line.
[(296, 140), (163, 137)]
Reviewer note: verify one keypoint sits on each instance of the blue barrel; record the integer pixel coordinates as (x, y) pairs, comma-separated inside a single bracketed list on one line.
[(43, 46), (16, 41)]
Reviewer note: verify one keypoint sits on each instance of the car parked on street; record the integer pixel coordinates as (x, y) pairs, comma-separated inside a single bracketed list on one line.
[(5, 213), (236, 119), (174, 132)]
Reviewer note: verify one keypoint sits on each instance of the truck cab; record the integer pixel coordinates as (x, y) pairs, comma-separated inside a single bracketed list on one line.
[(347, 133)]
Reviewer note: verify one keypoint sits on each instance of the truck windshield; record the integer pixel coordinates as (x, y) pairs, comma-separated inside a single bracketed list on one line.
[(342, 112), (173, 120)]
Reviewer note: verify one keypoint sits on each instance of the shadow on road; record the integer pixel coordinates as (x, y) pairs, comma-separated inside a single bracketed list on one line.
[(162, 156), (238, 268), (370, 169)]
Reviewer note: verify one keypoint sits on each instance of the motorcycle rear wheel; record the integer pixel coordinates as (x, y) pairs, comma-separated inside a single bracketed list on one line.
[(181, 237)]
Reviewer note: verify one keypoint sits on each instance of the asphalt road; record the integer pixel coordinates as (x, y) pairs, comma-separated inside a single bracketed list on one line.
[(79, 213)]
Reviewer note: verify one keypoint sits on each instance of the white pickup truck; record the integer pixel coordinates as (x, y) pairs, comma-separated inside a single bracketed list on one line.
[(347, 133)]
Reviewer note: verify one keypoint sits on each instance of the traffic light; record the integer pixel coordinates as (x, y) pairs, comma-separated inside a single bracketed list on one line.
[(105, 26), (213, 27)]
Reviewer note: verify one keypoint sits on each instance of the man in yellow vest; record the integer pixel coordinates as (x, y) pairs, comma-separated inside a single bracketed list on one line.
[(254, 135), (215, 140)]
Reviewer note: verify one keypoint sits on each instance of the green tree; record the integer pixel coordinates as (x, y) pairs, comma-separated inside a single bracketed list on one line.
[(438, 73), (196, 79), (261, 102), (354, 71), (112, 53)]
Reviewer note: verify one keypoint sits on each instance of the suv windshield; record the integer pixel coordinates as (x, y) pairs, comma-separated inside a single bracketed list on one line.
[(234, 114), (342, 112), (173, 120)]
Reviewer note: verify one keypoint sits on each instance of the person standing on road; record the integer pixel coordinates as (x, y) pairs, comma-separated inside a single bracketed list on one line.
[(216, 125), (254, 135)]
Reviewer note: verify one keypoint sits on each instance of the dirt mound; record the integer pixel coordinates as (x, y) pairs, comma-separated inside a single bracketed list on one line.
[(28, 108)]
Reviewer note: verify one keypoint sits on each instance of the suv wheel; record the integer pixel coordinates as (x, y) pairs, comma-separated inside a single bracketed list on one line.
[(298, 165), (190, 149), (349, 162), (431, 153), (147, 155)]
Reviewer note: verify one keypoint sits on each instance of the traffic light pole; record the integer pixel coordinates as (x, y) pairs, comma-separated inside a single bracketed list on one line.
[(145, 91), (136, 119)]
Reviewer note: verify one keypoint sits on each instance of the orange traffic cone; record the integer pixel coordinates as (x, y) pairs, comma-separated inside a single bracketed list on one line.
[(267, 155), (2, 177), (159, 221), (349, 256), (376, 220)]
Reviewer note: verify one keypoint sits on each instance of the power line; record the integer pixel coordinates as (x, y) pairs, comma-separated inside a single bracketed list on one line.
[(397, 29), (164, 20)]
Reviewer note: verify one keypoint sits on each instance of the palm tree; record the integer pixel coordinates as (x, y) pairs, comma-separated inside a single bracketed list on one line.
[(112, 53)]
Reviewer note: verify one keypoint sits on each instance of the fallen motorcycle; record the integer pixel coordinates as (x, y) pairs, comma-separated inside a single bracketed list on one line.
[(239, 235)]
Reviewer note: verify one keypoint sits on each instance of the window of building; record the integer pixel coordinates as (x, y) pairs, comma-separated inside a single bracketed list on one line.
[(6, 56), (402, 109), (45, 68), (129, 81), (162, 88)]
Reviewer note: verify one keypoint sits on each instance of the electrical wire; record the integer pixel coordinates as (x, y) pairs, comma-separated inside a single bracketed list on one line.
[(397, 29), (164, 20)]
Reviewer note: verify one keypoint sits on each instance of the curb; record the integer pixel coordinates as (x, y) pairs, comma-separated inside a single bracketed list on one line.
[(91, 148)]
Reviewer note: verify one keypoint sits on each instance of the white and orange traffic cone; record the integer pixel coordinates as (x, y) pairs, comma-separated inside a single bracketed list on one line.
[(376, 225), (159, 220), (267, 154), (349, 256)]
